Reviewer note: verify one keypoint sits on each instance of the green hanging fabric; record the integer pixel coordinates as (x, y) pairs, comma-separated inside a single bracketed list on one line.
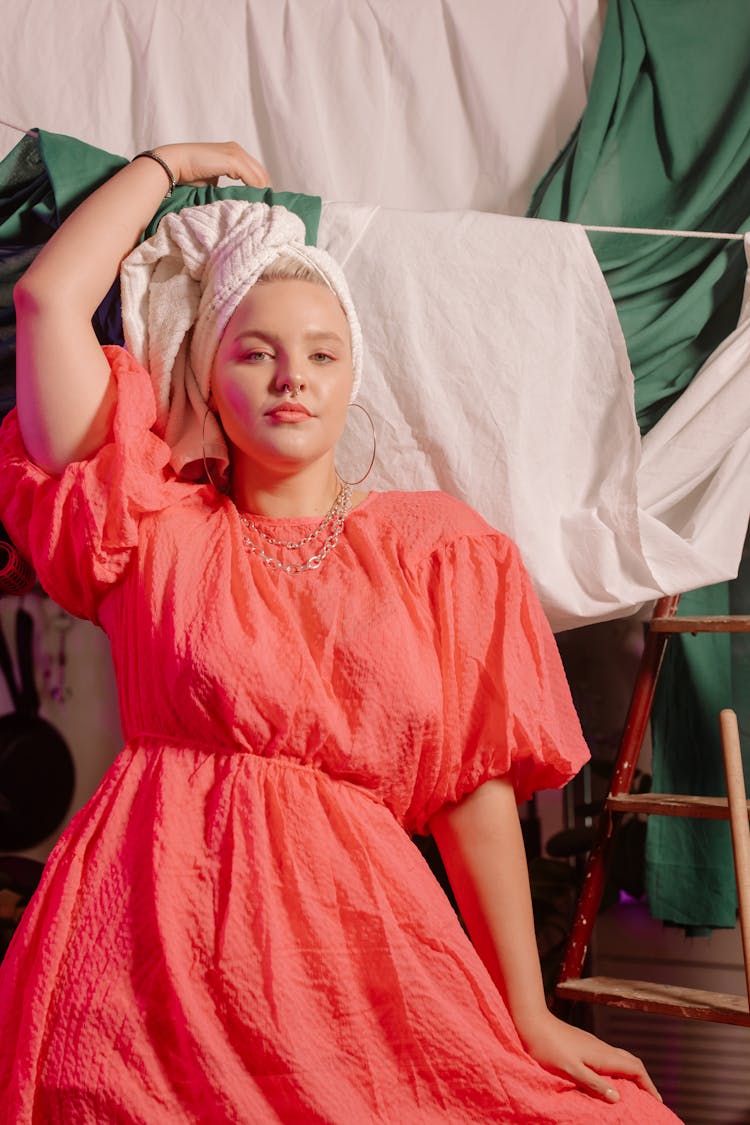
[(42, 180), (665, 142)]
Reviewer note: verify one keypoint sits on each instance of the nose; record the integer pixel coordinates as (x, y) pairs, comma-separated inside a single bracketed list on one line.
[(287, 379)]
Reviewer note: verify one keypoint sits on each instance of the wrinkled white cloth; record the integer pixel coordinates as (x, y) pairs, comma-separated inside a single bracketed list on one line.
[(443, 103), (180, 288), (496, 369)]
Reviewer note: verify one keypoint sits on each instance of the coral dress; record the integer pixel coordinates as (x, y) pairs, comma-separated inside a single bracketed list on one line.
[(237, 926)]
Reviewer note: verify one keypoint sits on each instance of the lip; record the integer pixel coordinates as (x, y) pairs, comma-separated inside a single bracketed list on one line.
[(289, 412)]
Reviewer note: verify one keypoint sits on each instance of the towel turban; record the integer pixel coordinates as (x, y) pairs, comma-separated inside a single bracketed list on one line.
[(179, 290)]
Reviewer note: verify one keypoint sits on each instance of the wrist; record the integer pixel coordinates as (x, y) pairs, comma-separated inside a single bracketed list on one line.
[(153, 154), (530, 1021)]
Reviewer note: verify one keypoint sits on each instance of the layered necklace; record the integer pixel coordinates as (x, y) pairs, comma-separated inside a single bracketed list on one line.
[(333, 519)]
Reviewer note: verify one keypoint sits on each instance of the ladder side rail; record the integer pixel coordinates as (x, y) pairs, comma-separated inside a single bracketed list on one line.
[(730, 742), (639, 713)]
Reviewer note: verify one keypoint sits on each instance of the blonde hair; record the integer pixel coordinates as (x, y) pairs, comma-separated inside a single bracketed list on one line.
[(287, 267)]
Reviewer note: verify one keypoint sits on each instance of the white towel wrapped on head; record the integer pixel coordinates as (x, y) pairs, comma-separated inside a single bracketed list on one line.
[(179, 290)]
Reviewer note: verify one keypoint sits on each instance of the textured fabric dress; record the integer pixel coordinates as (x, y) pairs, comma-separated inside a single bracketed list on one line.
[(237, 926)]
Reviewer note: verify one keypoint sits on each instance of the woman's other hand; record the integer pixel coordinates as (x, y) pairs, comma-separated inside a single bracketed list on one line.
[(203, 163), (583, 1058)]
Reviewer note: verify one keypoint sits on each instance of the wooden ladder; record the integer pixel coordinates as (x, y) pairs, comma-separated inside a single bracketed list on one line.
[(689, 1003)]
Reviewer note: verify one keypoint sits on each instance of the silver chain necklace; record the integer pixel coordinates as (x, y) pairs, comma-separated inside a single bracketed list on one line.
[(335, 516)]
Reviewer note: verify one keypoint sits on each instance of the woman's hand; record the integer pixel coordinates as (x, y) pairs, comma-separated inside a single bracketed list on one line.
[(582, 1057), (204, 162)]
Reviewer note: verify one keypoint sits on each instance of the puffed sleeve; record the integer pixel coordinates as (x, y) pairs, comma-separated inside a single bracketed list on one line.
[(506, 706), (80, 529)]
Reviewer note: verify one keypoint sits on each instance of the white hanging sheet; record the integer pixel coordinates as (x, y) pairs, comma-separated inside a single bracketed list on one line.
[(426, 104), (497, 370)]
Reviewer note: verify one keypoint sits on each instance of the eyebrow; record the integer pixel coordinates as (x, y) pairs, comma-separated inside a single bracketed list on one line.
[(270, 338)]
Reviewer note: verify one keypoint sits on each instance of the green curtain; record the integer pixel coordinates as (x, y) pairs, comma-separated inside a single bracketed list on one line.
[(42, 180), (665, 142)]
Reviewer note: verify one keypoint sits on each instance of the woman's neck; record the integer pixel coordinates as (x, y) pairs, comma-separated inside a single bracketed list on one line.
[(309, 491)]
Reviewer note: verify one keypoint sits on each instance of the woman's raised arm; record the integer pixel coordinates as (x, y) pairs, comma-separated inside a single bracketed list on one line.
[(64, 393)]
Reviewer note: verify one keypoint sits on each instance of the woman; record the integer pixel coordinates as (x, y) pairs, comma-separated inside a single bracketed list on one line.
[(237, 926)]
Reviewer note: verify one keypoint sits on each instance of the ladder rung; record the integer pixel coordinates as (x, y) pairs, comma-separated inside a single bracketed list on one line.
[(713, 624), (649, 996), (671, 804)]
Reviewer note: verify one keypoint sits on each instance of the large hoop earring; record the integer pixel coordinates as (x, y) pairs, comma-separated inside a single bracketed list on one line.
[(367, 414), (203, 450)]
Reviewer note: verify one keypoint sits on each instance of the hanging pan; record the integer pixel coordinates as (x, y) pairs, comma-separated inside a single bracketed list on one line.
[(37, 774)]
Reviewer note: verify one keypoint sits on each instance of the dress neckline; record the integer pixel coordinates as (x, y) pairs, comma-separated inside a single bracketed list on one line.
[(303, 521)]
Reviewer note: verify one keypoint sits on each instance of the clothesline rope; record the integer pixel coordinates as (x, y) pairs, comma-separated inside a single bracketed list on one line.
[(673, 233), (19, 129)]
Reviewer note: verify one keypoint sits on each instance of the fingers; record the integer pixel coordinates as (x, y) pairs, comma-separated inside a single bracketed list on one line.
[(261, 178), (243, 166), (632, 1067), (595, 1084), (620, 1064)]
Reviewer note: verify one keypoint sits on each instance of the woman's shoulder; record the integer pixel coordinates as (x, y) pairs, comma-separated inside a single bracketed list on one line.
[(427, 521), (431, 507)]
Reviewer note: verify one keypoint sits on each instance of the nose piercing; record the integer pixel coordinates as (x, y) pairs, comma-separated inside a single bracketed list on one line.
[(292, 388)]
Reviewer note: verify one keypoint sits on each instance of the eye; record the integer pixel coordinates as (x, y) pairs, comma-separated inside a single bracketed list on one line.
[(323, 357), (256, 356)]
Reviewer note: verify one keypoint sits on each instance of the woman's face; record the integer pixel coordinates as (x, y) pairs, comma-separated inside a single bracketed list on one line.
[(284, 334)]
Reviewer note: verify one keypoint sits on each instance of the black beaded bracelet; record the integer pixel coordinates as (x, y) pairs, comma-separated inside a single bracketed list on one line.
[(155, 156)]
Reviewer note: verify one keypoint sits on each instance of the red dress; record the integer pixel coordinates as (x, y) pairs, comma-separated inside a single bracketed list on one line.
[(237, 926)]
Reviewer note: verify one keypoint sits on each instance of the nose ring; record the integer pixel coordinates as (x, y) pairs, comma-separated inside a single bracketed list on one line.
[(291, 387)]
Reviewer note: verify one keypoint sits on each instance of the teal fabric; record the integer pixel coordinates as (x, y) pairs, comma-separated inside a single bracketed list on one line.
[(42, 180), (689, 877), (665, 142)]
